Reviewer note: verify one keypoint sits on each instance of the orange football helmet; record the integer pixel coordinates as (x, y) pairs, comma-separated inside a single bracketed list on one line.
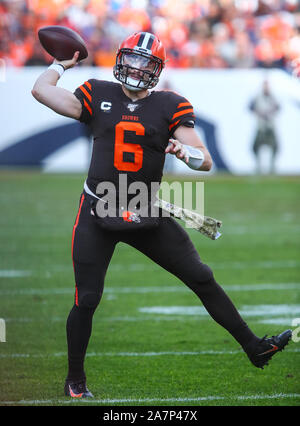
[(140, 61)]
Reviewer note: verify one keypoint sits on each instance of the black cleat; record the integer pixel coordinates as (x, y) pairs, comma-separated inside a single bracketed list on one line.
[(77, 390), (266, 348)]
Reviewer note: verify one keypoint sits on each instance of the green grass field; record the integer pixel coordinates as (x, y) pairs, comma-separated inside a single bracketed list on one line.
[(140, 352)]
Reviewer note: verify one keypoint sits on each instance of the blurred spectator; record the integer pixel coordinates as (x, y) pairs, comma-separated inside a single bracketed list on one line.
[(265, 107), (198, 33)]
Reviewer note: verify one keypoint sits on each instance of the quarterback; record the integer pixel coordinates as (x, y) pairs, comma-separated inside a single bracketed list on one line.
[(133, 128)]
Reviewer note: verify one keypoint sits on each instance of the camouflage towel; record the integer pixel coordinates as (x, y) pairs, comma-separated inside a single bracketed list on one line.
[(208, 226)]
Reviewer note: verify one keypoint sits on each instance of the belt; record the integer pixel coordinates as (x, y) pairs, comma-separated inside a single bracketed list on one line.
[(88, 191)]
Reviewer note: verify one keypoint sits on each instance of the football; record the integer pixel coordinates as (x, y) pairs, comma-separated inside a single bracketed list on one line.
[(62, 42)]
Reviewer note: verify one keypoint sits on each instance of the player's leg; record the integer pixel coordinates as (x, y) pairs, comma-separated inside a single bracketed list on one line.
[(170, 246), (273, 143), (92, 249), (256, 149)]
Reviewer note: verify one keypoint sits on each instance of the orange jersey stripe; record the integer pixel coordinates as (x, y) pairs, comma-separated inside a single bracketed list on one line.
[(174, 124), (87, 107), (183, 104), (76, 295), (86, 93), (88, 85), (185, 111)]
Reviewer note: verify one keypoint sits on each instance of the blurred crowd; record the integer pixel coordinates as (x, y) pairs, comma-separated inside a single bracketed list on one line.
[(196, 33)]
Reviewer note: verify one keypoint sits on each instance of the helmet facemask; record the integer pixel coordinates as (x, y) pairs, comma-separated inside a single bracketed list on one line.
[(137, 70)]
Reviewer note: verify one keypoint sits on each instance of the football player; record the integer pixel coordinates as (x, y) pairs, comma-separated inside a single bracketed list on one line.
[(134, 127)]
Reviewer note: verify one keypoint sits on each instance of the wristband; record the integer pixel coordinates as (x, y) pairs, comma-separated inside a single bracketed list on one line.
[(58, 68), (195, 157)]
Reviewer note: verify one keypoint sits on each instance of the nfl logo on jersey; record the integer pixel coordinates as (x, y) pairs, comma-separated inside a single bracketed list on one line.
[(132, 107)]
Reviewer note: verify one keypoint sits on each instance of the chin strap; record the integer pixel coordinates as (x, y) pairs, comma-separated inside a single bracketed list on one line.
[(133, 88)]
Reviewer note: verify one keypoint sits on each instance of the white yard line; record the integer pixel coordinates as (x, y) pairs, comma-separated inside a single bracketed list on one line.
[(149, 400), (11, 273), (246, 310), (282, 314), (136, 354)]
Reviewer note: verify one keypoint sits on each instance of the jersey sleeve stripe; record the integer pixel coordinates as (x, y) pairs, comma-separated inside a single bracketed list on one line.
[(174, 124), (87, 107), (85, 92), (185, 111), (184, 104), (88, 84)]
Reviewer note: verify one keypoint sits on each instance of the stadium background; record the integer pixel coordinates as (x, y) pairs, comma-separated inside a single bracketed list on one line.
[(143, 350), (218, 52)]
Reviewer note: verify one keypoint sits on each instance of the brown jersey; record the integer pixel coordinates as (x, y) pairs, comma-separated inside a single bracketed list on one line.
[(129, 136)]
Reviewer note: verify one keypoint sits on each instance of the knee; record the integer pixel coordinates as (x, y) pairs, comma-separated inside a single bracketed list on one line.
[(89, 300), (198, 276), (205, 274), (203, 281)]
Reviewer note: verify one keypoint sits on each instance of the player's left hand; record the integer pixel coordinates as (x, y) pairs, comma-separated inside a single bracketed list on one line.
[(176, 148)]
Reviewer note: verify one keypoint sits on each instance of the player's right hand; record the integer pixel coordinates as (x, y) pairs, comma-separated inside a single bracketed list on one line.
[(69, 63)]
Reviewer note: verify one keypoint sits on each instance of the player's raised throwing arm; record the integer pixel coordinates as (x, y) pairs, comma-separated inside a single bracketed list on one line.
[(58, 99)]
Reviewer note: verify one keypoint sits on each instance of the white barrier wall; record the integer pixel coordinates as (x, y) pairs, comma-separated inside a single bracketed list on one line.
[(220, 98)]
